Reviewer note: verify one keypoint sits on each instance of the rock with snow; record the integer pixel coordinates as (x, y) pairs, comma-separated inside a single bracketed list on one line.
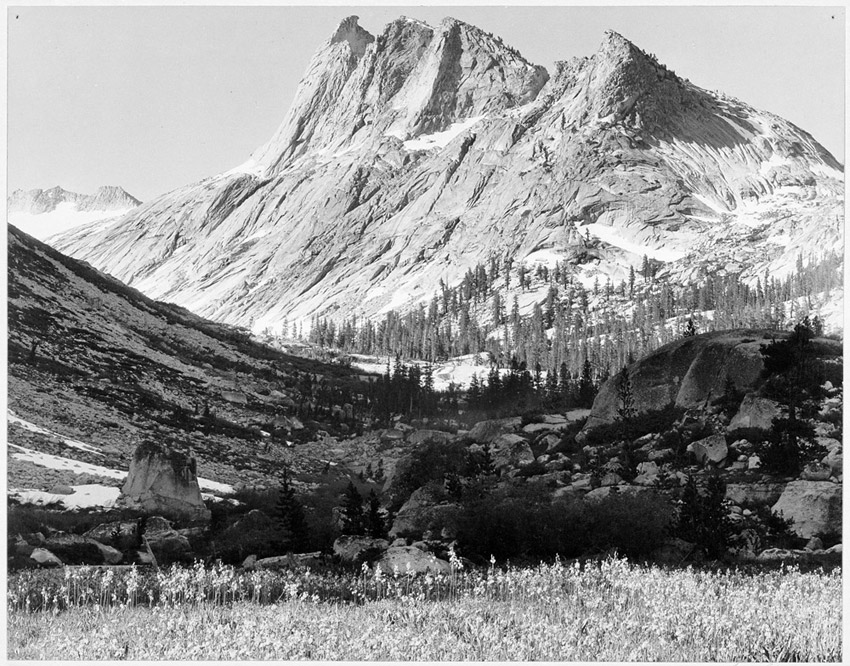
[(814, 506), (165, 482)]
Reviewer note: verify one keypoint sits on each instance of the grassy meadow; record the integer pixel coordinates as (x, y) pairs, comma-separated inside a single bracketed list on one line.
[(596, 611)]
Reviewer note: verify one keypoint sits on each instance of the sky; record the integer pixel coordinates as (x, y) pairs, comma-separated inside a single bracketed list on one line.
[(153, 98)]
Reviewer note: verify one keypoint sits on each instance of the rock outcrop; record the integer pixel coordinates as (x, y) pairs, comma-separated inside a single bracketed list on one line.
[(692, 372), (164, 482), (814, 506), (411, 560)]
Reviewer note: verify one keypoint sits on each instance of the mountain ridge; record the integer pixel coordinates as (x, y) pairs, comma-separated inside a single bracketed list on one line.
[(409, 157)]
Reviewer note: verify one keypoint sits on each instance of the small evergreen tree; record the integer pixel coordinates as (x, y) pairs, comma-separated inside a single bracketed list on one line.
[(292, 525), (690, 330), (374, 521), (353, 520)]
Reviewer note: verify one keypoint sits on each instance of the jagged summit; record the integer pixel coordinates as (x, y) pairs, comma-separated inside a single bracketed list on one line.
[(356, 37), (411, 157)]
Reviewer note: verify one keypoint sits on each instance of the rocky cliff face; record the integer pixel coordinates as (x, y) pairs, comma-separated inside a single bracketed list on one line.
[(408, 157)]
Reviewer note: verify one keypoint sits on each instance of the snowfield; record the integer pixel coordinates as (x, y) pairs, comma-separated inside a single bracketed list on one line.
[(64, 218)]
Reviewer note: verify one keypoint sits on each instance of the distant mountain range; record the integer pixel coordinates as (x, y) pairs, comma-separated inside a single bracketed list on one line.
[(409, 157), (44, 213)]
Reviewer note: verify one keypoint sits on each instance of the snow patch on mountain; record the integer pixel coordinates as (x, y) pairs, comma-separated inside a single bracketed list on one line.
[(441, 139)]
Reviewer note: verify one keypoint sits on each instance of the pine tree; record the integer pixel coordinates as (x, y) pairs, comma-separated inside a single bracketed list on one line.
[(353, 521), (691, 330), (292, 525), (374, 526)]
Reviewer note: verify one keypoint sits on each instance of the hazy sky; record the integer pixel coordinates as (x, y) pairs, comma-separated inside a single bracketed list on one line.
[(152, 98)]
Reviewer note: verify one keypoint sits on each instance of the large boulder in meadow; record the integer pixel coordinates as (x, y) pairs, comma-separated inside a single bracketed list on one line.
[(408, 559), (814, 506), (755, 412), (692, 372), (163, 482), (354, 549)]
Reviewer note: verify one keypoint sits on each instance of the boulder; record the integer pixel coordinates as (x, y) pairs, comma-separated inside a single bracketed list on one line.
[(164, 482), (121, 534), (814, 544), (354, 549), (392, 436), (45, 558), (755, 412), (816, 471), (711, 450), (62, 490), (607, 491), (485, 432), (510, 452), (167, 544), (425, 510), (754, 494), (236, 397), (690, 372), (835, 461), (407, 559), (550, 441), (249, 563), (784, 555), (647, 473), (611, 479), (814, 506), (753, 462), (428, 436), (76, 549), (672, 551)]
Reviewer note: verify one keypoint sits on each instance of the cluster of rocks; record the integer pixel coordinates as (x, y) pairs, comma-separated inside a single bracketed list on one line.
[(150, 541)]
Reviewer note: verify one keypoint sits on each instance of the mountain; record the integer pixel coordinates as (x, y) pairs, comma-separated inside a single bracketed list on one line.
[(44, 213), (409, 157)]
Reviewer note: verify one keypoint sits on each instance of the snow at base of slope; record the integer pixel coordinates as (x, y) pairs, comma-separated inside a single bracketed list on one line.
[(88, 496), (77, 467), (547, 257), (63, 218), (64, 464), (32, 427), (441, 139)]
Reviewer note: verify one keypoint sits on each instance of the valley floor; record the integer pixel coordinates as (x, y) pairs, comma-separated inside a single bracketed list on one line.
[(609, 611)]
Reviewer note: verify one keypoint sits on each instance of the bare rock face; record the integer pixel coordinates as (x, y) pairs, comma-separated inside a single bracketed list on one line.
[(814, 506), (164, 482), (426, 509)]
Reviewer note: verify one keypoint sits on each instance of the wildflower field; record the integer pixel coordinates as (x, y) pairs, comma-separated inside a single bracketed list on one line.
[(597, 611)]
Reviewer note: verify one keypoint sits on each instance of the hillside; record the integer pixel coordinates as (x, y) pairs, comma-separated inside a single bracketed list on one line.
[(96, 367)]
